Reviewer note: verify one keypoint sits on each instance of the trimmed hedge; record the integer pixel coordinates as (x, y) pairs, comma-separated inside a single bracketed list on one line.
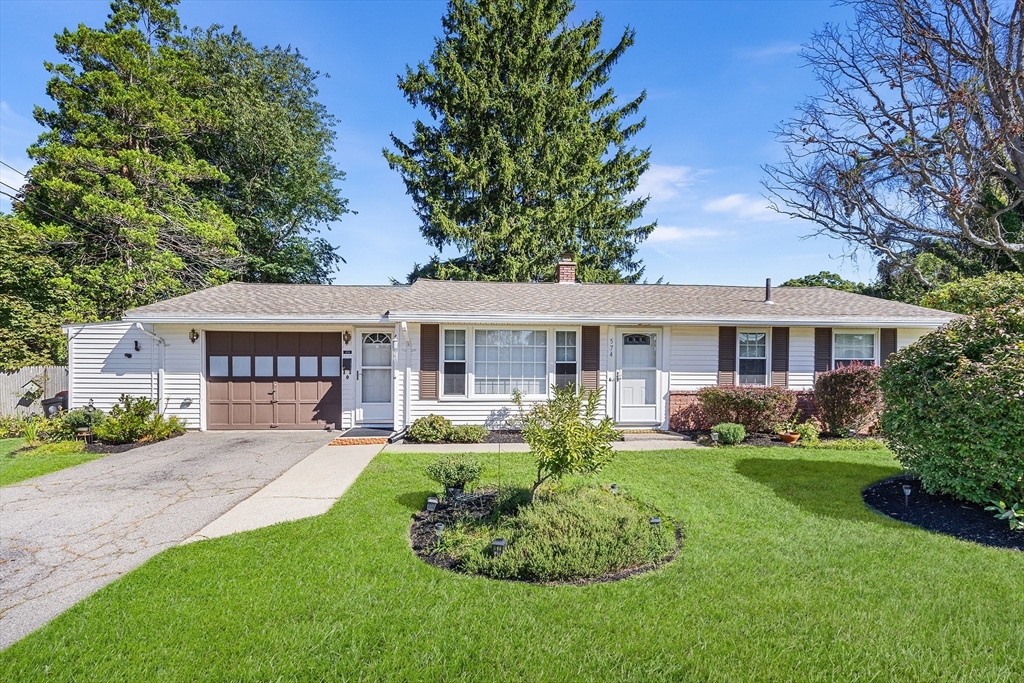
[(758, 409), (848, 398), (954, 406)]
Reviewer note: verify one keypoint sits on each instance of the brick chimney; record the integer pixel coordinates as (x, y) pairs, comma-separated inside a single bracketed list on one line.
[(566, 269)]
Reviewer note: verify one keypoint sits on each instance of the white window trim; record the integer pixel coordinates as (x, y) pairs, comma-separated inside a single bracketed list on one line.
[(471, 394), (877, 332), (767, 354)]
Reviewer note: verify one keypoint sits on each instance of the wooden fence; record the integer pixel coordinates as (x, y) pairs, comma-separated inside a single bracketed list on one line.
[(21, 391)]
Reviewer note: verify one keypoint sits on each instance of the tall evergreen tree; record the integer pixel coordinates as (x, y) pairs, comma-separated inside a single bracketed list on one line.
[(273, 143), (527, 154), (114, 173)]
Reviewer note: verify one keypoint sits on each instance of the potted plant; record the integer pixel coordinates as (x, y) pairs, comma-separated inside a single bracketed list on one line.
[(454, 473), (787, 431)]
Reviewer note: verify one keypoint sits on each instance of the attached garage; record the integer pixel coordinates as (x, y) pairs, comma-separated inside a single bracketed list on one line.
[(264, 380)]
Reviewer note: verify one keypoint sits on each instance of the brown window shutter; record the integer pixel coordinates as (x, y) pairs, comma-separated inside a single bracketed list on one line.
[(822, 349), (726, 356), (590, 357), (780, 357), (887, 343), (429, 359)]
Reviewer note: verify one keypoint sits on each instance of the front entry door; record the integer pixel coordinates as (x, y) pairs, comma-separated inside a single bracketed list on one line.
[(637, 394), (374, 373)]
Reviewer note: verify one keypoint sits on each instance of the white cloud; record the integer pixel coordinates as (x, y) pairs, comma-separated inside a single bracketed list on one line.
[(772, 51), (663, 182), (744, 207), (669, 233)]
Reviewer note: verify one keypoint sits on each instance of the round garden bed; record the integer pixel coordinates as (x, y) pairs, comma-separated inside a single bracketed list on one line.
[(940, 513), (575, 536)]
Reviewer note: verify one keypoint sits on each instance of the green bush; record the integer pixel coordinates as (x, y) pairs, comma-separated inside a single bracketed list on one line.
[(565, 434), (758, 409), (430, 429), (954, 412), (565, 535), (845, 444), (848, 398), (808, 431), (135, 418), (467, 434), (976, 293), (454, 471), (729, 433)]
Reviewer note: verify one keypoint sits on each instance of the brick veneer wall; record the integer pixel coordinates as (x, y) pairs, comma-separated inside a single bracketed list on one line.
[(685, 413)]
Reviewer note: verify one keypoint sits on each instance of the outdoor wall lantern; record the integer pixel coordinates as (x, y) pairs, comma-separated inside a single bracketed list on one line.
[(346, 337), (498, 546), (656, 522), (906, 495), (439, 529), (193, 336), (615, 489), (431, 504)]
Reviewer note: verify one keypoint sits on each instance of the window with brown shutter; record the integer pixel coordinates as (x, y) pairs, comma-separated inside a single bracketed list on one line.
[(887, 343), (822, 349), (726, 356), (429, 359), (780, 357), (590, 357)]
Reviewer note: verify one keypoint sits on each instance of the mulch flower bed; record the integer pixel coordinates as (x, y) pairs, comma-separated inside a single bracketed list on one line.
[(107, 448), (480, 504), (763, 439), (941, 513)]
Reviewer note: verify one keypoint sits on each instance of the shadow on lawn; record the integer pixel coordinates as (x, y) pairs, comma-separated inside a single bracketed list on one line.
[(820, 487), (414, 500)]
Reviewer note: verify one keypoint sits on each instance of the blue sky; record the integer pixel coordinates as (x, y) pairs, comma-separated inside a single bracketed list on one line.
[(719, 76)]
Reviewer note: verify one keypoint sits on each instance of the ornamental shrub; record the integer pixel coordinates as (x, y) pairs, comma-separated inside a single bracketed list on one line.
[(467, 434), (454, 471), (847, 398), (758, 409), (430, 429), (135, 418), (729, 433), (954, 406)]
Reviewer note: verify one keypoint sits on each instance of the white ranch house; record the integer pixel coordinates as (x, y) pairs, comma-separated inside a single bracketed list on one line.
[(265, 356)]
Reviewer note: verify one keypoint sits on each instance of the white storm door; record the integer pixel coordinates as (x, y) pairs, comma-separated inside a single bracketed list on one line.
[(637, 395), (374, 385)]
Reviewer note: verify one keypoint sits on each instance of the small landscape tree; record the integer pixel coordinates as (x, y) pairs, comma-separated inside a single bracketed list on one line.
[(565, 434)]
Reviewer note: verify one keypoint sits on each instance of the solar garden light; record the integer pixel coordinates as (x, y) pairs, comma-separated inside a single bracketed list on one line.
[(431, 504), (498, 546), (714, 438), (656, 522), (615, 489), (906, 495), (439, 529), (851, 432)]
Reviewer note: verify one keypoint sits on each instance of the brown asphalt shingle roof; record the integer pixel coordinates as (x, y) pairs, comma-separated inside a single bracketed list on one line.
[(432, 299)]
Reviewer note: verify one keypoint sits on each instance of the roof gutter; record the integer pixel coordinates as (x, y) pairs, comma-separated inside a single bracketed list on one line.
[(261, 320), (667, 320)]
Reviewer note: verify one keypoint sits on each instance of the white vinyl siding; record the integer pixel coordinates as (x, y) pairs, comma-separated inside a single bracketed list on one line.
[(905, 336), (693, 358), (100, 370), (183, 381), (801, 358)]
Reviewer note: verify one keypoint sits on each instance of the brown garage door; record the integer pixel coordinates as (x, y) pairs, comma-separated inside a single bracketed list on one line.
[(261, 380)]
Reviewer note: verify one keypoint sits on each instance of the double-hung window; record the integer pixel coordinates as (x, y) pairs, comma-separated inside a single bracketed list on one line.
[(454, 363), (505, 360), (753, 358), (854, 348), (565, 358)]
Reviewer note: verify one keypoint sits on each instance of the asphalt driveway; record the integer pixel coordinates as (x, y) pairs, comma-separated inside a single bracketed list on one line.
[(67, 534)]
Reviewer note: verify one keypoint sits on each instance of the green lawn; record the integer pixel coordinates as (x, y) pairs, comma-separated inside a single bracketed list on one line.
[(17, 464), (783, 576)]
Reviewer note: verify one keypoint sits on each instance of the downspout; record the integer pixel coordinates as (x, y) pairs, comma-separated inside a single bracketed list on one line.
[(160, 368), (408, 360)]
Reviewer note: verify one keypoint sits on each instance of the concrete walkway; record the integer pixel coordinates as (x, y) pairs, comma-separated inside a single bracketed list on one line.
[(65, 535), (308, 489)]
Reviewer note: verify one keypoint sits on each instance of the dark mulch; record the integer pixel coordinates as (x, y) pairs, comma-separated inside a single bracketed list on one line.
[(940, 513), (504, 436), (107, 448), (480, 504)]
